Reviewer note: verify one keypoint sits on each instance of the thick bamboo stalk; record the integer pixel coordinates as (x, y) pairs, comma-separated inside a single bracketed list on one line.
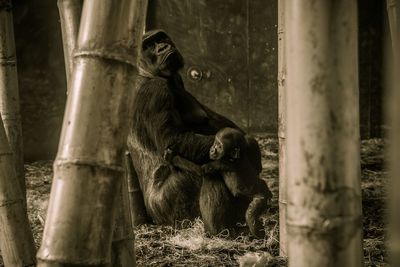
[(282, 127), (394, 155), (393, 119), (123, 244), (16, 239), (70, 16), (9, 92), (137, 207), (88, 168), (392, 16), (123, 249), (323, 168)]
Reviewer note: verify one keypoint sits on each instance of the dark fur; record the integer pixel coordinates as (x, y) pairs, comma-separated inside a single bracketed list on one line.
[(166, 116), (238, 161)]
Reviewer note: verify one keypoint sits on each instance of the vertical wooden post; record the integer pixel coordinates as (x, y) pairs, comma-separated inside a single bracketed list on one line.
[(393, 119), (16, 239), (392, 17), (88, 168), (9, 92), (282, 127), (137, 207), (323, 169), (70, 16), (123, 248)]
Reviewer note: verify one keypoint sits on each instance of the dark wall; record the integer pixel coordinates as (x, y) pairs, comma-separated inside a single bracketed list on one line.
[(41, 75), (370, 20), (233, 42)]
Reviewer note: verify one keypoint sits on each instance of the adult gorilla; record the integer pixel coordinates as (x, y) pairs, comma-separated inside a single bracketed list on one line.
[(167, 116)]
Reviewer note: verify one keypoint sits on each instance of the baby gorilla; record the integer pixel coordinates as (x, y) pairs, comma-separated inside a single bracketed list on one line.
[(237, 158)]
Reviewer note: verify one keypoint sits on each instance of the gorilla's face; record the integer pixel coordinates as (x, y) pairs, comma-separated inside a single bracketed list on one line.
[(159, 55), (227, 144)]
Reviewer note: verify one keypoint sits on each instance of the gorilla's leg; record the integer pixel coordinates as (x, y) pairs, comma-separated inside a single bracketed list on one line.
[(216, 206)]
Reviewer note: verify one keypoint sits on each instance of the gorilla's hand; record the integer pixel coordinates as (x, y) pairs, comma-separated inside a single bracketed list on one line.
[(209, 168), (168, 155)]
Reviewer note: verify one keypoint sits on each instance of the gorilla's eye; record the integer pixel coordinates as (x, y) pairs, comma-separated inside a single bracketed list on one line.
[(147, 44), (218, 143)]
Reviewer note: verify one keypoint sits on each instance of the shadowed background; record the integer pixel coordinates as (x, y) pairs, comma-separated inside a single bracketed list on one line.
[(230, 50)]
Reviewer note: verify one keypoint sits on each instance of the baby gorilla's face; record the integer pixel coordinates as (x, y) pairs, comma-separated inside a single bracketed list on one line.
[(227, 144), (217, 150)]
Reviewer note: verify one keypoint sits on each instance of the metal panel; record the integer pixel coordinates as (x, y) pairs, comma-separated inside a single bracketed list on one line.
[(214, 39), (263, 65)]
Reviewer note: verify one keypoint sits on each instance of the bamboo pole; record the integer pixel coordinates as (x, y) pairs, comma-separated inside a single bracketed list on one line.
[(391, 11), (9, 92), (88, 170), (123, 247), (393, 119), (137, 207), (324, 219), (70, 16), (16, 239), (123, 243), (282, 128), (394, 155), (123, 240)]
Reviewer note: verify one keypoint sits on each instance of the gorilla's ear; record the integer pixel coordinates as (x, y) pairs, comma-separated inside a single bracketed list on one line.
[(235, 154)]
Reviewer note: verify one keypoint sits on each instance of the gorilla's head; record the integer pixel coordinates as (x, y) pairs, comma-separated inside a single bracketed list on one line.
[(159, 55)]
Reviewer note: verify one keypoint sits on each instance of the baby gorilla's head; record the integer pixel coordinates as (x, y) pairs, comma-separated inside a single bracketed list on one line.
[(227, 144)]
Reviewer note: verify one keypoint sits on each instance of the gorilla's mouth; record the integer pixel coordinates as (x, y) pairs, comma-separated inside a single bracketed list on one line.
[(213, 156), (167, 55), (172, 61)]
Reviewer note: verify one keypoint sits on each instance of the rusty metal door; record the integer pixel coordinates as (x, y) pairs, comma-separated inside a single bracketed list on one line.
[(230, 52)]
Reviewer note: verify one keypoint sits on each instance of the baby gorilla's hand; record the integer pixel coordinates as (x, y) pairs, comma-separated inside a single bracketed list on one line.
[(168, 155), (208, 168)]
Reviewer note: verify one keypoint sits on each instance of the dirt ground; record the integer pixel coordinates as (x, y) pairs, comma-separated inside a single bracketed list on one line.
[(190, 246)]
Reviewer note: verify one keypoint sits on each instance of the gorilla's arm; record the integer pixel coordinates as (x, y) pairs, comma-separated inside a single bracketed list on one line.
[(215, 121), (164, 125), (218, 121)]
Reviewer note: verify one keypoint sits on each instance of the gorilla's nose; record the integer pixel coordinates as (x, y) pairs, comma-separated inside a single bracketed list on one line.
[(212, 153), (162, 47)]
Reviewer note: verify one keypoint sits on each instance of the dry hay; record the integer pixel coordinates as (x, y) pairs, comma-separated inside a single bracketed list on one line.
[(38, 182), (374, 184), (190, 246)]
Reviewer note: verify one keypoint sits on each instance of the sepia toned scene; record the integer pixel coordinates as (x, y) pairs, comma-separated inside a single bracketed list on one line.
[(199, 133)]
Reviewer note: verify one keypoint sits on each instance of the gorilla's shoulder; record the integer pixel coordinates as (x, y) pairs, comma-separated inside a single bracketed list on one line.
[(154, 85), (155, 82), (155, 91)]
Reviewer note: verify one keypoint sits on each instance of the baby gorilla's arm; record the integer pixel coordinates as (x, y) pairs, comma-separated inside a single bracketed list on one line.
[(217, 166), (181, 163)]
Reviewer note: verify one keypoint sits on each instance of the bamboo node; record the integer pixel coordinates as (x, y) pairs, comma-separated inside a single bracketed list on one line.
[(6, 62), (6, 203), (6, 153), (391, 3), (324, 225), (10, 116), (117, 53), (88, 163)]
